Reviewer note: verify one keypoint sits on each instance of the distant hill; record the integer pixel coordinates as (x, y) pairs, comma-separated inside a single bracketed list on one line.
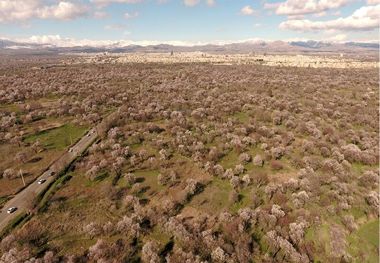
[(363, 45), (311, 44), (241, 47)]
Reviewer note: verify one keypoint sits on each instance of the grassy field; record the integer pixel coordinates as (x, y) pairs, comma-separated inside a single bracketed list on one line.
[(77, 203), (54, 142), (242, 117), (364, 243), (149, 182), (10, 108), (214, 198), (59, 138)]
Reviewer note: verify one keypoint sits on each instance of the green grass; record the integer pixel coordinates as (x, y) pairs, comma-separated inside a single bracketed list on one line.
[(18, 220), (364, 243), (52, 189), (359, 168), (122, 183), (230, 160), (242, 117), (50, 97), (10, 108), (134, 146), (77, 203), (73, 243), (144, 146), (244, 201), (159, 235), (150, 181), (3, 200), (58, 138), (370, 232), (310, 234), (320, 238), (149, 175), (358, 212), (215, 198)]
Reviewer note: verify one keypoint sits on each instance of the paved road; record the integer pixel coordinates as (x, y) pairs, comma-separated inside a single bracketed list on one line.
[(27, 195)]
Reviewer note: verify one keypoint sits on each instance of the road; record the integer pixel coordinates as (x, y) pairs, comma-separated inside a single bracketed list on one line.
[(25, 197)]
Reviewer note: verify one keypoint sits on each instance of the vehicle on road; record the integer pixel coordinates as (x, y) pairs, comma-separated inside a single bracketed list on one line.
[(41, 181), (71, 150), (11, 209), (51, 173)]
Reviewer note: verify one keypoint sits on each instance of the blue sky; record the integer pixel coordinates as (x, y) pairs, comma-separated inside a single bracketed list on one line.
[(189, 21)]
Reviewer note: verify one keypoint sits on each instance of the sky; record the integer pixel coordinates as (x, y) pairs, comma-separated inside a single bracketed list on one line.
[(187, 22)]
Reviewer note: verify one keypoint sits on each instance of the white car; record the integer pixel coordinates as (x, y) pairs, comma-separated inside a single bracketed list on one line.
[(41, 181), (71, 150), (11, 210)]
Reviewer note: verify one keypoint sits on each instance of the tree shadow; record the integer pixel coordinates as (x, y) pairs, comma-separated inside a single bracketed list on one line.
[(35, 159), (140, 179)]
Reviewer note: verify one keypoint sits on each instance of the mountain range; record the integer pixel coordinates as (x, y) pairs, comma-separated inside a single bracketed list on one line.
[(241, 47)]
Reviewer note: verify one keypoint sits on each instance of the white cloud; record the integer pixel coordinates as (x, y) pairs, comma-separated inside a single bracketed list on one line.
[(64, 10), (296, 17), (131, 15), (337, 13), (17, 10), (210, 2), (271, 5), (21, 10), (45, 39), (57, 40), (114, 27), (364, 18), (191, 2), (303, 7), (103, 3), (323, 13), (100, 14), (338, 38), (247, 11)]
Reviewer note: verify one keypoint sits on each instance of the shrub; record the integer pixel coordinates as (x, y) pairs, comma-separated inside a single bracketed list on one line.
[(9, 174), (239, 169), (258, 161), (276, 165), (277, 152), (130, 178), (244, 158), (150, 252)]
